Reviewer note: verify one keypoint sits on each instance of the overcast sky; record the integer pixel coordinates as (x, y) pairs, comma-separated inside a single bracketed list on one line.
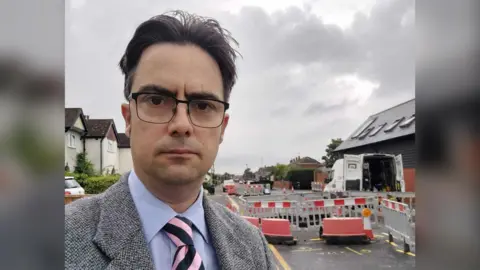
[(311, 70)]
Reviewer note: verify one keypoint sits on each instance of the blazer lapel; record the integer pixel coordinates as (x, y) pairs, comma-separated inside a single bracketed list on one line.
[(231, 251), (119, 231)]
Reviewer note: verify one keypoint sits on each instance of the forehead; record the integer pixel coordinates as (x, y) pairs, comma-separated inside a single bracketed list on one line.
[(182, 69)]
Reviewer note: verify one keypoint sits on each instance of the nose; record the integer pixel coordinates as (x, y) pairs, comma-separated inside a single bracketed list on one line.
[(180, 126)]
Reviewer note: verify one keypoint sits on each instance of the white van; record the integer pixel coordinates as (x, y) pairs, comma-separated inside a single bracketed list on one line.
[(367, 172)]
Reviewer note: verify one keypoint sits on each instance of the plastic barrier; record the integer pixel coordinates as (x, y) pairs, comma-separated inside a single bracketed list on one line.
[(274, 209), (255, 221), (399, 222), (231, 190), (253, 190), (312, 212), (277, 231), (335, 228), (230, 206)]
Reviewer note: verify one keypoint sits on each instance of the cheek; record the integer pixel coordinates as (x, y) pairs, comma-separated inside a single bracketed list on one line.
[(146, 135), (210, 140)]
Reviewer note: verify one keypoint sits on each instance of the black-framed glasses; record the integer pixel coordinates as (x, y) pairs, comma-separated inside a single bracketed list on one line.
[(158, 108)]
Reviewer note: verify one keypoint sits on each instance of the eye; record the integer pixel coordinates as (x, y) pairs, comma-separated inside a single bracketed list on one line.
[(203, 105), (156, 100), (153, 99)]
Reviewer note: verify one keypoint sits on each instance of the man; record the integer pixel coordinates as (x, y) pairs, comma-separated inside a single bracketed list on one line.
[(179, 71)]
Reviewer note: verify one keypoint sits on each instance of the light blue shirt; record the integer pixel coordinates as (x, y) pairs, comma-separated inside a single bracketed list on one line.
[(154, 214)]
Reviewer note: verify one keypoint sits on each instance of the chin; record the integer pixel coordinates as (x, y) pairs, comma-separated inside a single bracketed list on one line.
[(179, 175)]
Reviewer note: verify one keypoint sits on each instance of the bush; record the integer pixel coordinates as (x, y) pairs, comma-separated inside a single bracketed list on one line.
[(84, 165), (80, 177), (98, 184)]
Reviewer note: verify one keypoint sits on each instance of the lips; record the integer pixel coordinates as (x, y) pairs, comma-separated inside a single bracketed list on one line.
[(180, 152)]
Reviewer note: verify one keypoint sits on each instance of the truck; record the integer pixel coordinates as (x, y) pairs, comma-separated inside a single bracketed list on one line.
[(366, 173)]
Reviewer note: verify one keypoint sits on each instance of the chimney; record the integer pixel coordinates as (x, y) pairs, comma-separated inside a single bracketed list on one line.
[(87, 117)]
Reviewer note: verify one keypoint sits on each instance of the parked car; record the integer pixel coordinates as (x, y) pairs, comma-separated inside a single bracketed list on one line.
[(72, 187)]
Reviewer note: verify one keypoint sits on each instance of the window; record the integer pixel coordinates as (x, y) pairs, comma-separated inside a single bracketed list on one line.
[(394, 125), (71, 142), (377, 129), (365, 126), (365, 133), (408, 122), (110, 147)]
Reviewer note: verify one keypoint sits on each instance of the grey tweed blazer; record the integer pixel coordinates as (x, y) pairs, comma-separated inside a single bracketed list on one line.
[(104, 232)]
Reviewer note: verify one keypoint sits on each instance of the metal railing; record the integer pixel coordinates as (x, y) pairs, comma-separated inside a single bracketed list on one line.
[(399, 221)]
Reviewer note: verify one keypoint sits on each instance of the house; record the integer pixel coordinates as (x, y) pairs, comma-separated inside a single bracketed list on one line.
[(101, 145), (391, 131), (264, 173), (318, 168), (75, 129), (125, 162)]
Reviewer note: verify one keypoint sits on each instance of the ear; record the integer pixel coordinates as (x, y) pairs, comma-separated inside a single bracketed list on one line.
[(127, 116), (226, 118)]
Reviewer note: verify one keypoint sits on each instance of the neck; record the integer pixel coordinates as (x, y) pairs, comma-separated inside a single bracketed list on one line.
[(178, 197)]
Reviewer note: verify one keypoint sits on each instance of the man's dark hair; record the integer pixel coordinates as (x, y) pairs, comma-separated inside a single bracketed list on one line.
[(182, 28)]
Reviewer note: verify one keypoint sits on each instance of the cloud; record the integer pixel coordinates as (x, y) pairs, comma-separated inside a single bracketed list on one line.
[(310, 71)]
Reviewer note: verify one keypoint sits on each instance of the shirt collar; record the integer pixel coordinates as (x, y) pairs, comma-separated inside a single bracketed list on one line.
[(154, 213)]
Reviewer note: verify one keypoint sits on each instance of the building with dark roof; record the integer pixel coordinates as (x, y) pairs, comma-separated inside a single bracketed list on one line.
[(75, 129), (391, 131), (101, 144), (108, 150)]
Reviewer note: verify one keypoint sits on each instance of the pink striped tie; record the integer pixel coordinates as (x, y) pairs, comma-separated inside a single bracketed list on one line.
[(179, 230)]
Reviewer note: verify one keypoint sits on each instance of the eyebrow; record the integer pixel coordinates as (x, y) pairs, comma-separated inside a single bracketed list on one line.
[(157, 89)]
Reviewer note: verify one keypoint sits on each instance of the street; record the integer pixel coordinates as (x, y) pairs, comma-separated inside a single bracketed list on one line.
[(312, 253)]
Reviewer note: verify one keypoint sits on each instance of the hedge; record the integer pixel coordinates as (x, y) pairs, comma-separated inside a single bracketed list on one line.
[(98, 184)]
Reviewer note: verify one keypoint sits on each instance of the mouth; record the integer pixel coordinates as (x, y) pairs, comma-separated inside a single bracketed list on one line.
[(180, 152)]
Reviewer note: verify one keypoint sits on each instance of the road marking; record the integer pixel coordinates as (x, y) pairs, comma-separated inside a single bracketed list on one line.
[(408, 253), (316, 239), (354, 251), (279, 257), (392, 243), (399, 250), (306, 249)]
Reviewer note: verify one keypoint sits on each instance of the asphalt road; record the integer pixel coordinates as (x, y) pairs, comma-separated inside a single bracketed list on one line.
[(313, 253)]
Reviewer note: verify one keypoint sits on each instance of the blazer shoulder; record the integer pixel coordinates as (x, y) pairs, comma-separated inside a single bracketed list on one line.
[(82, 216)]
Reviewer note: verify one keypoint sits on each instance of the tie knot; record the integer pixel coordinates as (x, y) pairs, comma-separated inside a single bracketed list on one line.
[(179, 230)]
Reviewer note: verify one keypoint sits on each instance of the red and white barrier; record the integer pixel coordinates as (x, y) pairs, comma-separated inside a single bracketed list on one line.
[(339, 202), (279, 205), (400, 207)]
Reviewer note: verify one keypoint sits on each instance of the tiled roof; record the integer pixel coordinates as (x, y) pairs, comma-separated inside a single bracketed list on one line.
[(389, 124), (98, 128), (307, 160), (71, 115), (123, 141)]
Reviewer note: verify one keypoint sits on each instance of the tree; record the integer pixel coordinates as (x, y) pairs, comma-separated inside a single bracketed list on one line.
[(248, 174), (331, 157), (280, 171), (84, 166)]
